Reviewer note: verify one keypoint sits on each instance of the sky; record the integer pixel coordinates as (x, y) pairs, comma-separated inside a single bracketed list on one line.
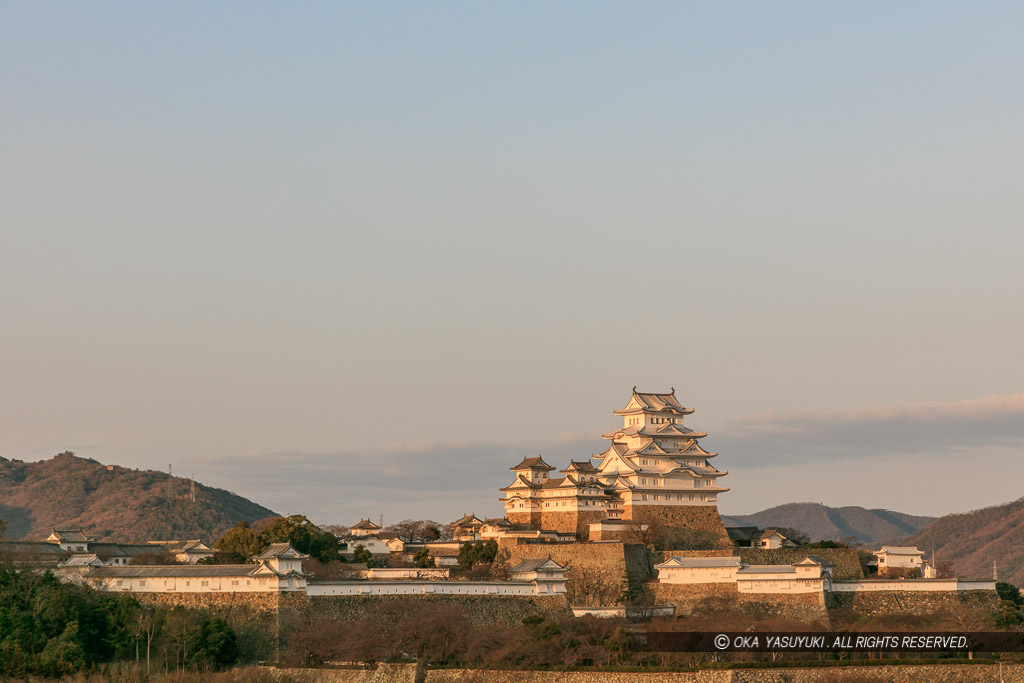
[(350, 259)]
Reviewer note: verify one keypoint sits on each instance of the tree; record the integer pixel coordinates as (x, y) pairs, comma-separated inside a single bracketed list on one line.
[(362, 555), (423, 559), (3, 527), (481, 552), (1007, 591), (419, 530), (239, 544), (303, 535), (795, 536)]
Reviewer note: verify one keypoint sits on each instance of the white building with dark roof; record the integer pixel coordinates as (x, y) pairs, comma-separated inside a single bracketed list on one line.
[(653, 467), (70, 540), (364, 528), (893, 559), (810, 575), (277, 569)]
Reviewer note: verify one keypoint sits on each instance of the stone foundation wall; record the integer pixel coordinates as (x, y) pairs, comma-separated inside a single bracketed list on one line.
[(570, 521), (877, 603), (298, 609), (528, 519), (407, 673), (660, 556), (705, 599), (701, 521), (596, 570), (846, 561)]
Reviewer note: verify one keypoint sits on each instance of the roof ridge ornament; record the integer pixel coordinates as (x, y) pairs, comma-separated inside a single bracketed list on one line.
[(673, 391)]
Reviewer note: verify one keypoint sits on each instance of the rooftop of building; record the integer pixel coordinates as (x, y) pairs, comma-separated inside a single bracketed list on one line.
[(642, 401), (899, 550), (533, 464)]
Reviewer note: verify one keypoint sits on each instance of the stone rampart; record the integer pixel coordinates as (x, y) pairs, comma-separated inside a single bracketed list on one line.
[(939, 673), (298, 609), (876, 603), (846, 561), (707, 599), (570, 521), (695, 526), (596, 570)]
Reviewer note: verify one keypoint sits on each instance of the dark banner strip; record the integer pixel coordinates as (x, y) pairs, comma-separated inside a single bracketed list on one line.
[(834, 641)]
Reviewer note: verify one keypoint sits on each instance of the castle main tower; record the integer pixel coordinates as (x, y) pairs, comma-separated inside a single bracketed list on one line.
[(656, 470)]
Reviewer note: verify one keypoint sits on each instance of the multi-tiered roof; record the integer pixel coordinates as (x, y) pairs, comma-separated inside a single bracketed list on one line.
[(656, 453)]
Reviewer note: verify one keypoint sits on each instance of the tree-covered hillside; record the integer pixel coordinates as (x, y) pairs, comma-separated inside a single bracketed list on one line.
[(824, 523), (970, 542), (114, 503)]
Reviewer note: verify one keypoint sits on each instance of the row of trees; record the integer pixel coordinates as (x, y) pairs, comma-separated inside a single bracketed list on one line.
[(52, 628), (243, 541)]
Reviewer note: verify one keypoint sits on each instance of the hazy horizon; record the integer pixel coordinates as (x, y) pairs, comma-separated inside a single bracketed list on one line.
[(346, 259)]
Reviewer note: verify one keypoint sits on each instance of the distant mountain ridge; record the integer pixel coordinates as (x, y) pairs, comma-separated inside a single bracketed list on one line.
[(824, 523), (113, 503), (971, 541)]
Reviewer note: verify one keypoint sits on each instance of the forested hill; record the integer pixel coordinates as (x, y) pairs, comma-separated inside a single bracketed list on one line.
[(824, 523), (970, 542), (114, 503)]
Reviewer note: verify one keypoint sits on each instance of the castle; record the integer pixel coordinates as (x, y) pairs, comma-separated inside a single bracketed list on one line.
[(653, 472)]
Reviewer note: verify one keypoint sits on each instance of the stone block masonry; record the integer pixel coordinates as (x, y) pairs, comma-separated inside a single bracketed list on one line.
[(846, 560), (706, 599), (879, 603), (701, 521), (596, 570), (937, 673)]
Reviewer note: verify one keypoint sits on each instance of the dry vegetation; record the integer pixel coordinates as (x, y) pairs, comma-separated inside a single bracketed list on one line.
[(116, 504)]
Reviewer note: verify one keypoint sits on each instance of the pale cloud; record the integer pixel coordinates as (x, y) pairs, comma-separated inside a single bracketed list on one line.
[(774, 458), (420, 479), (775, 437)]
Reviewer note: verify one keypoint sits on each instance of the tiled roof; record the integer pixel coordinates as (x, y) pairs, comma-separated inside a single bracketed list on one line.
[(284, 550), (82, 560), (108, 550), (30, 548), (656, 402), (466, 520), (166, 571), (701, 562), (365, 524), (899, 550), (533, 464), (71, 535), (768, 569), (533, 564)]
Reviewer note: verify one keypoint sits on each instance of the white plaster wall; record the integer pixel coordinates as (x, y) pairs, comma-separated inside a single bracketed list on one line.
[(213, 584), (780, 585), (697, 574), (425, 587), (910, 585)]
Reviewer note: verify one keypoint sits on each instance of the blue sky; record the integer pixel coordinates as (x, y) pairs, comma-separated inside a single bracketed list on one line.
[(250, 240)]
